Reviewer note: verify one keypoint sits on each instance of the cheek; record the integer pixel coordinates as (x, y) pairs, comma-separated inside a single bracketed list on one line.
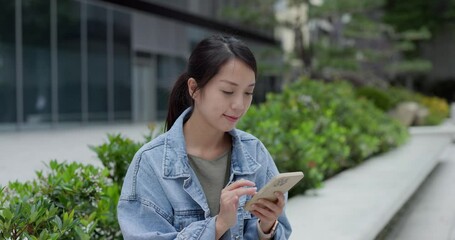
[(212, 103), (248, 102)]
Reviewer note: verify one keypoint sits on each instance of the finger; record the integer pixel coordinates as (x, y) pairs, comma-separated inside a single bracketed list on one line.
[(265, 213), (281, 200), (272, 206), (244, 191), (229, 197), (240, 183), (258, 214)]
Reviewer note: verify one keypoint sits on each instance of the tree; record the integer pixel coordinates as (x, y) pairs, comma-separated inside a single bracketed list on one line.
[(324, 33), (346, 39), (261, 14), (418, 21), (411, 65), (415, 14)]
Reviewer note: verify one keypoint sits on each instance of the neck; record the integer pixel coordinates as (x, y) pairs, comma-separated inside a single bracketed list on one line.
[(202, 141)]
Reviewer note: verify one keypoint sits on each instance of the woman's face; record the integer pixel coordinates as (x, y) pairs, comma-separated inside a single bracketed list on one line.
[(226, 97)]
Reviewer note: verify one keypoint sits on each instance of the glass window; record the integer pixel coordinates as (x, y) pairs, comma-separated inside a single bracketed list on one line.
[(97, 62), (36, 61), (7, 62), (169, 69), (69, 60), (264, 85), (122, 66)]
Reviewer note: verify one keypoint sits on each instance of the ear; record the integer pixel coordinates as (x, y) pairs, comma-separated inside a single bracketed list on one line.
[(192, 87)]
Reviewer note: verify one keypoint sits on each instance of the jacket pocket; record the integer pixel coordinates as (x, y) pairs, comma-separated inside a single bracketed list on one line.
[(185, 217)]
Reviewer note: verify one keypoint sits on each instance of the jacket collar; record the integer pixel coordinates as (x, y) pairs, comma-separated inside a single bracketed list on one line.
[(175, 163)]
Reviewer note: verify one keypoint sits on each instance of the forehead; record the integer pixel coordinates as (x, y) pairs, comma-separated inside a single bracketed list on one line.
[(235, 71)]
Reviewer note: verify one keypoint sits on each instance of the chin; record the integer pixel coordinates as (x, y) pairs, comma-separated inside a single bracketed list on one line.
[(229, 128)]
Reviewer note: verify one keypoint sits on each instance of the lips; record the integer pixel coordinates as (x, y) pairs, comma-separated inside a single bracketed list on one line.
[(231, 118)]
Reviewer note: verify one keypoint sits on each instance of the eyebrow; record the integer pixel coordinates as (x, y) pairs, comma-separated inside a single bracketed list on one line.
[(235, 84)]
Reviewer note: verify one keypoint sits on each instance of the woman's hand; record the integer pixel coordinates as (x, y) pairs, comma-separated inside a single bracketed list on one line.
[(268, 211), (229, 202)]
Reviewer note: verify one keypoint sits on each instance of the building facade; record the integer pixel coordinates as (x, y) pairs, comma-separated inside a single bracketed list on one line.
[(72, 62)]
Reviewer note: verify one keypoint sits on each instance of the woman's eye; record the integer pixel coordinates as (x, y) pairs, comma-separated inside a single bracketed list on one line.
[(249, 93), (227, 92)]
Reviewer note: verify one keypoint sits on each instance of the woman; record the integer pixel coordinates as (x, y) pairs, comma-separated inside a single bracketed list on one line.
[(193, 181)]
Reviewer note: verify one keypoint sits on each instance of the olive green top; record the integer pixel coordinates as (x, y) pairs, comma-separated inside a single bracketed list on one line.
[(213, 176)]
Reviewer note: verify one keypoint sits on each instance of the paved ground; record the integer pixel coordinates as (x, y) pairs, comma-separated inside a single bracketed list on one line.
[(430, 214), (22, 153)]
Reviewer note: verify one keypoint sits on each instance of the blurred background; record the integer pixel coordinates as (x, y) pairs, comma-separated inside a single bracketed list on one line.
[(83, 62)]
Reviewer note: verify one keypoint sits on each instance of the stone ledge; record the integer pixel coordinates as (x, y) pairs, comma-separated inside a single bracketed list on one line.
[(357, 203)]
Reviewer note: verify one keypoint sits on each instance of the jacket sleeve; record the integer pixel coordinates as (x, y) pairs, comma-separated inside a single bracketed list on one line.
[(140, 219)]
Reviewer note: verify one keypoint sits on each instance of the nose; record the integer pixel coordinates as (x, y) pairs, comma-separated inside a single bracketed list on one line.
[(238, 103)]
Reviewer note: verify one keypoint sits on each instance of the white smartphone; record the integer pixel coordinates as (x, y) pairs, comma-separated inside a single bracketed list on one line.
[(282, 182)]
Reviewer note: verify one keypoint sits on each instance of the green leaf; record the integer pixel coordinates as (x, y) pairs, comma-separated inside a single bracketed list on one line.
[(58, 222), (7, 214)]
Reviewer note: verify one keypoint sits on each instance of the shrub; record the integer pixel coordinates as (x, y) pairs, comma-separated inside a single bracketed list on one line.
[(321, 129), (291, 142), (398, 95), (22, 218), (369, 130), (438, 109), (72, 201), (378, 97), (117, 153)]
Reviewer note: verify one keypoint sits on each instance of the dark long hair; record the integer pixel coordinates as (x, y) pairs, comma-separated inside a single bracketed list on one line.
[(204, 63)]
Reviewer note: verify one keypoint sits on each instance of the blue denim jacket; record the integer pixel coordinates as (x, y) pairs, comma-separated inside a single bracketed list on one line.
[(162, 198)]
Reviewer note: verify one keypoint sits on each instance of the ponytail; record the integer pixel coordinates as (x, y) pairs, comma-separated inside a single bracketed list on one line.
[(179, 100)]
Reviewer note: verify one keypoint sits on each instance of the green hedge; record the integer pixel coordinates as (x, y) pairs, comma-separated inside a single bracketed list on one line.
[(321, 129), (438, 108), (72, 201), (387, 99), (116, 155), (377, 96)]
